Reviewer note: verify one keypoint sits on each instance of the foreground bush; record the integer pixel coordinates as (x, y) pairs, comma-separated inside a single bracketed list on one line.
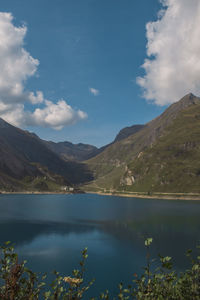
[(19, 283)]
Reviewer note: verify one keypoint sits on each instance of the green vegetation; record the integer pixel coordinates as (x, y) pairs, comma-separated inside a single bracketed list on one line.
[(173, 162), (164, 156), (43, 183), (19, 283), (32, 184)]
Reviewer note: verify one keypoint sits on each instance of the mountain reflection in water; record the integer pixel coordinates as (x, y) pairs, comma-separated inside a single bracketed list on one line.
[(51, 230)]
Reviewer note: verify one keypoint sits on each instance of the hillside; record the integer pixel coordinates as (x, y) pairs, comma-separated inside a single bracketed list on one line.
[(81, 152), (173, 162), (29, 163), (25, 159), (123, 165), (127, 131)]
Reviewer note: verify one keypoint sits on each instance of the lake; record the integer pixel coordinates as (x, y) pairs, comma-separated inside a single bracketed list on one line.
[(51, 230)]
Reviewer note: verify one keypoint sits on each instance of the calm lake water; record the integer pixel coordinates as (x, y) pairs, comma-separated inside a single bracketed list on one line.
[(51, 230)]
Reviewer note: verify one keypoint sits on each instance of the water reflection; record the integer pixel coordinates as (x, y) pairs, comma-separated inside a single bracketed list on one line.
[(51, 230), (21, 232)]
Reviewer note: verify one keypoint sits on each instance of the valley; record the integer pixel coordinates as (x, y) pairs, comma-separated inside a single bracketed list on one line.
[(158, 158)]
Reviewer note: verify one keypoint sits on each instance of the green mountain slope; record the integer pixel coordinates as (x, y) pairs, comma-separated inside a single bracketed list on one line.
[(127, 131), (173, 162), (123, 165), (81, 152)]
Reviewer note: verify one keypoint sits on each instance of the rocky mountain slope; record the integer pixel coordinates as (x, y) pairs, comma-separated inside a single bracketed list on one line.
[(173, 162), (144, 161), (25, 158)]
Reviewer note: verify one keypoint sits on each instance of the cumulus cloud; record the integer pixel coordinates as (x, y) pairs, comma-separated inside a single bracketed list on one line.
[(57, 115), (94, 92), (172, 68), (17, 65)]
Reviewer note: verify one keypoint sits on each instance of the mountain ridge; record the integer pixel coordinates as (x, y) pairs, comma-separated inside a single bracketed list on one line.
[(70, 151), (24, 155), (111, 167)]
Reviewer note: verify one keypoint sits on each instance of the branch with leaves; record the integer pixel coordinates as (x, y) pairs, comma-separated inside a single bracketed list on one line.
[(17, 282)]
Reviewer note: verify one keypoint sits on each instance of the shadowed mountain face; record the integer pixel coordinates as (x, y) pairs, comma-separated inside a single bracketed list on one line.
[(23, 155), (123, 165)]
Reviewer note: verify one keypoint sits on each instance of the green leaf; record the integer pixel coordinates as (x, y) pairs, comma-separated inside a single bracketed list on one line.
[(148, 242), (7, 243)]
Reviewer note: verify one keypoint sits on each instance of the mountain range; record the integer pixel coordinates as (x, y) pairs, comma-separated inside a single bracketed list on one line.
[(27, 163), (162, 155)]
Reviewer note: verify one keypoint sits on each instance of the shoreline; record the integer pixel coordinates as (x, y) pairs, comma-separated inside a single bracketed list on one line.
[(38, 193), (141, 195), (158, 196)]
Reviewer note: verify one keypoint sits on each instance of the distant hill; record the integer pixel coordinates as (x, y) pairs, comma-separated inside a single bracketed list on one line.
[(163, 156), (74, 152), (25, 158), (81, 152)]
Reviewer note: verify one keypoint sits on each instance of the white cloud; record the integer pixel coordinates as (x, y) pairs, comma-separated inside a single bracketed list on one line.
[(57, 115), (16, 66), (173, 47), (94, 92)]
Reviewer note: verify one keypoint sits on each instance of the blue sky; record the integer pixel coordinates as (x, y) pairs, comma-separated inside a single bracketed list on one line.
[(98, 44)]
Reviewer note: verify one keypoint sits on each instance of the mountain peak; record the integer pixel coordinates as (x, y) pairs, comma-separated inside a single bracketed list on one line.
[(190, 99), (190, 95), (172, 111)]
